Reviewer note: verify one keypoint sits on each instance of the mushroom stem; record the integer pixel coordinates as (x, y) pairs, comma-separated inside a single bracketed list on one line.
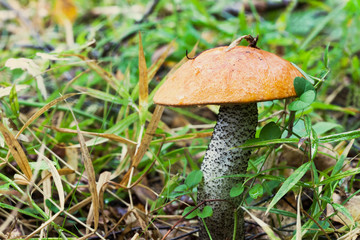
[(235, 125)]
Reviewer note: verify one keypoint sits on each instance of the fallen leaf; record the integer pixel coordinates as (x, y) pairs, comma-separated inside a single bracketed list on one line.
[(57, 180), (6, 91), (352, 207), (32, 68), (20, 180), (51, 57), (73, 157), (16, 151), (294, 157), (145, 142), (89, 168), (25, 64)]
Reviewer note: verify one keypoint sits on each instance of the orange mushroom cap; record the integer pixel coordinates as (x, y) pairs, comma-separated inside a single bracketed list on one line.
[(222, 76)]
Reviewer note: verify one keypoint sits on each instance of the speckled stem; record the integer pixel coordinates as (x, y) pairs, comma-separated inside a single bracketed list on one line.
[(236, 124)]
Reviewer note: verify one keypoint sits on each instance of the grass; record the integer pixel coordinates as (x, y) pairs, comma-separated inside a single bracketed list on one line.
[(94, 153)]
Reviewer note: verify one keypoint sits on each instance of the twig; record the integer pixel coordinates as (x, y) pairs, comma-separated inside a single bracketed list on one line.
[(185, 235), (281, 112), (46, 47), (312, 219), (285, 200), (251, 40), (263, 200)]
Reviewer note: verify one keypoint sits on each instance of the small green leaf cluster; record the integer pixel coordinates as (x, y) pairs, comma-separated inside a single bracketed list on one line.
[(255, 192), (188, 188), (191, 182), (191, 212), (306, 92)]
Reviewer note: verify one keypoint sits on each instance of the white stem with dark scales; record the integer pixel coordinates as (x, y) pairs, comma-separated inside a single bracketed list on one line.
[(235, 125)]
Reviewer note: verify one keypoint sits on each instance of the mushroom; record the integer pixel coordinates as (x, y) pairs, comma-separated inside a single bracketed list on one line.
[(236, 78)]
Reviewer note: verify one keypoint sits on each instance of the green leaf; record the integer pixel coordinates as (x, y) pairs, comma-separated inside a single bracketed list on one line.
[(194, 178), (340, 175), (307, 122), (270, 131), (338, 166), (301, 85), (50, 205), (191, 215), (314, 142), (323, 127), (174, 195), (181, 188), (326, 58), (289, 183), (305, 100), (167, 192), (237, 190), (326, 199), (256, 142), (256, 191), (340, 137), (23, 211), (340, 208), (298, 105), (14, 104), (206, 212), (5, 186), (315, 173), (308, 96), (303, 73), (274, 210), (104, 96)]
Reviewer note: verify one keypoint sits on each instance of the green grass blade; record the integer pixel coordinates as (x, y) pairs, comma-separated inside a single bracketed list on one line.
[(341, 175), (25, 212), (289, 183), (107, 97), (253, 143), (274, 210), (340, 137)]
